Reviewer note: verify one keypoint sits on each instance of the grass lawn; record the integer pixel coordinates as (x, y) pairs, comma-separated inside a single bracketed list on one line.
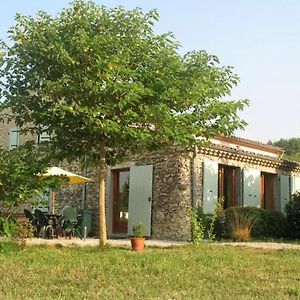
[(207, 272)]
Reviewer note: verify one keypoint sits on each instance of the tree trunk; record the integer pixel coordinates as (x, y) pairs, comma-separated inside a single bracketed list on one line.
[(101, 204)]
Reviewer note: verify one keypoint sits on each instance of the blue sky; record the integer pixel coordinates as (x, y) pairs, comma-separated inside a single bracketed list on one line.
[(260, 39)]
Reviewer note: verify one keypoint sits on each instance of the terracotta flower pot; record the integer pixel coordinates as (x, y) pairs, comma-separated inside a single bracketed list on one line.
[(137, 244)]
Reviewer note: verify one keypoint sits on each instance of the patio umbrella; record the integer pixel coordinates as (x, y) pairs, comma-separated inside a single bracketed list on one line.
[(73, 179)]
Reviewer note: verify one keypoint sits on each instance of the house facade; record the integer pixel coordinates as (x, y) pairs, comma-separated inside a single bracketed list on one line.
[(159, 188)]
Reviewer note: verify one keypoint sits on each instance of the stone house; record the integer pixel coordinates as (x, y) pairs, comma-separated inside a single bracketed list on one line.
[(158, 188)]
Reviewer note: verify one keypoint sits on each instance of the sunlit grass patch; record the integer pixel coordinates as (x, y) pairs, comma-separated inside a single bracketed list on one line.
[(206, 272)]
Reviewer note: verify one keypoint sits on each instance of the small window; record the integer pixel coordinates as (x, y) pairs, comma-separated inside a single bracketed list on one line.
[(14, 138), (43, 137)]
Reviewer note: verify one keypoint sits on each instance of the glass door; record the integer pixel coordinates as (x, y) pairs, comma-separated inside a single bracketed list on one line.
[(120, 200)]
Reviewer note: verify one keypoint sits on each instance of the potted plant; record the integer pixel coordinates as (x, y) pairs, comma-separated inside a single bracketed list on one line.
[(138, 239)]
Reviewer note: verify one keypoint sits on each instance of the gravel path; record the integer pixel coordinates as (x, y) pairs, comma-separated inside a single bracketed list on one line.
[(263, 245), (154, 243)]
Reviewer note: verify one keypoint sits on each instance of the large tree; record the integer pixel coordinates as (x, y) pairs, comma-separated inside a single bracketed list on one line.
[(103, 83)]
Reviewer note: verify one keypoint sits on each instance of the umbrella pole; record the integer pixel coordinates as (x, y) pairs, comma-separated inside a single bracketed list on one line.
[(53, 200)]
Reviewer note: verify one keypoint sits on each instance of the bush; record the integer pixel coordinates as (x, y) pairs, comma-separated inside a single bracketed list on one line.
[(138, 230), (16, 232), (269, 224), (8, 227), (293, 216), (240, 221), (197, 225), (266, 223), (221, 227)]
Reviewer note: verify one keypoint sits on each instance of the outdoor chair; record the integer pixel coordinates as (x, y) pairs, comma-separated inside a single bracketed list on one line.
[(42, 224), (69, 222), (29, 215)]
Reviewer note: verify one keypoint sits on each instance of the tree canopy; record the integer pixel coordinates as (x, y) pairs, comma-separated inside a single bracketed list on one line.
[(103, 83), (291, 147), (95, 76)]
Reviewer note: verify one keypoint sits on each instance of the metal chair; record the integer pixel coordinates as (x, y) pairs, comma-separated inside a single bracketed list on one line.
[(42, 224), (69, 221)]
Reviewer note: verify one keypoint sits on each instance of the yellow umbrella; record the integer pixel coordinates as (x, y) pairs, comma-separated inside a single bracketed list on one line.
[(73, 179)]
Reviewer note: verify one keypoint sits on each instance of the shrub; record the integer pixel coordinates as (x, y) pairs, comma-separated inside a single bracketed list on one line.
[(269, 224), (293, 216), (197, 225), (221, 227), (206, 225), (211, 221), (138, 230), (8, 227), (240, 222)]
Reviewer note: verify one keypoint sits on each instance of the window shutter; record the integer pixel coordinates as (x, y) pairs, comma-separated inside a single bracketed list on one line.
[(251, 187), (210, 186), (13, 141), (295, 184), (140, 197), (284, 191)]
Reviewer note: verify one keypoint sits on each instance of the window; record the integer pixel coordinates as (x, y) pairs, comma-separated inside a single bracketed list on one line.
[(43, 137), (14, 137)]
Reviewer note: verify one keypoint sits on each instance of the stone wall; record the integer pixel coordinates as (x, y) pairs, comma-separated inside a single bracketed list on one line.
[(4, 133), (198, 181), (172, 192)]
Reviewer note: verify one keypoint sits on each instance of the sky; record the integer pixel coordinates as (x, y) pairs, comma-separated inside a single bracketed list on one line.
[(260, 39)]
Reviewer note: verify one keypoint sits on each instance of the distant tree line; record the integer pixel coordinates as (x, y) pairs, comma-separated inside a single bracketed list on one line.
[(291, 147)]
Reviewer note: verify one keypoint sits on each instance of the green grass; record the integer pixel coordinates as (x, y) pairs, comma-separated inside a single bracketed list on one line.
[(206, 272)]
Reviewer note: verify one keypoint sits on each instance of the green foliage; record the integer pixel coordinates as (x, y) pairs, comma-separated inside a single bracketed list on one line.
[(16, 232), (291, 147), (211, 231), (20, 178), (204, 225), (197, 225), (240, 221), (262, 223), (269, 223), (138, 230), (8, 227), (102, 81), (293, 215)]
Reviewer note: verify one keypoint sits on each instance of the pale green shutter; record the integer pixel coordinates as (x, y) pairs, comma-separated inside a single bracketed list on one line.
[(140, 197), (295, 184), (13, 140), (284, 190), (210, 185), (251, 187)]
